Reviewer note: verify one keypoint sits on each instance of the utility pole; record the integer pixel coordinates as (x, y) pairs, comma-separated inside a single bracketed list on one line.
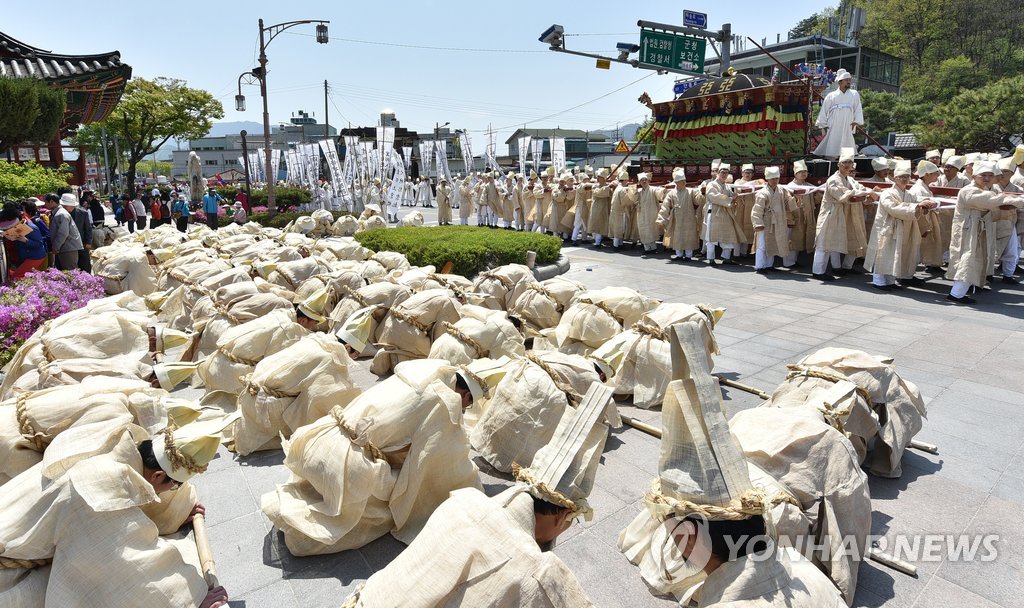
[(245, 162), (327, 122)]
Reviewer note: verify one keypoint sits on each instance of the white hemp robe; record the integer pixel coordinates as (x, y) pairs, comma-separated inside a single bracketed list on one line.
[(838, 111), (475, 551)]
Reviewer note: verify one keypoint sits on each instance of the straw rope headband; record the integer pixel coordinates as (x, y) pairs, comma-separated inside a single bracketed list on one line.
[(824, 374), (174, 455), (548, 494), (753, 502), (479, 381), (25, 425)]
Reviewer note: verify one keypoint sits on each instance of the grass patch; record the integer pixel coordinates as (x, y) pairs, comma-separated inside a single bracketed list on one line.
[(471, 249)]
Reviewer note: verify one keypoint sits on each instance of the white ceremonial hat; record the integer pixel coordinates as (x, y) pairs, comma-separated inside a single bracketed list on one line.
[(623, 175), (603, 172), (356, 329), (879, 163), (679, 174), (563, 471), (847, 154), (747, 167), (799, 166), (315, 305), (984, 166), (715, 164), (932, 153), (170, 375), (185, 452), (641, 176), (723, 167), (902, 168), (947, 153), (842, 74), (955, 161), (482, 375), (772, 173), (926, 167), (1006, 165), (994, 157), (701, 465), (973, 157)]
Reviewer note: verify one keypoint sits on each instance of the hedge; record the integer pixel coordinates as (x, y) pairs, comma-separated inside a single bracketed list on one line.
[(471, 249), (284, 196)]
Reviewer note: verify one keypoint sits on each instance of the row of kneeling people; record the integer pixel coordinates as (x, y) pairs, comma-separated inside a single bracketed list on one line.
[(525, 374)]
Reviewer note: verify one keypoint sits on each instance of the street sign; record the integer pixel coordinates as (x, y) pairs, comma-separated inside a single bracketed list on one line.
[(695, 19), (666, 50), (604, 64), (622, 147)]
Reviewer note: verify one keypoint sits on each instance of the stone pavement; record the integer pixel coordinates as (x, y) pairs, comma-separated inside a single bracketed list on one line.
[(964, 360)]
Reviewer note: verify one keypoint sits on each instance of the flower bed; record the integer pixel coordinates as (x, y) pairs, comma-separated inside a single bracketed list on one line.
[(469, 248), (29, 302)]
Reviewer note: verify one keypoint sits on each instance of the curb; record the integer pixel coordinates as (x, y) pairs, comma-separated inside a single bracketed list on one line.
[(548, 271)]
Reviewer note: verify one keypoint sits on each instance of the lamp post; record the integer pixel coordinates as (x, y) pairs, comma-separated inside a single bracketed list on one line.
[(267, 35), (245, 162)]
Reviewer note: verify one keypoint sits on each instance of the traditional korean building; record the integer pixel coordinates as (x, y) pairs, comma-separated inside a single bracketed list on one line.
[(93, 83)]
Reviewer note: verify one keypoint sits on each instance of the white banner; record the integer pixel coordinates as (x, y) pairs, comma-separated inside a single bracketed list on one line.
[(275, 164), (467, 152), (394, 194), (261, 159), (490, 154), (334, 166), (407, 158), (558, 154), (385, 144), (426, 157), (537, 146), (441, 155), (524, 147)]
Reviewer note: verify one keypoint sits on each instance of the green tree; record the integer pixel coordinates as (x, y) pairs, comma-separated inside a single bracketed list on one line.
[(159, 167), (987, 118), (30, 111), (151, 112), (20, 180), (885, 112), (808, 26)]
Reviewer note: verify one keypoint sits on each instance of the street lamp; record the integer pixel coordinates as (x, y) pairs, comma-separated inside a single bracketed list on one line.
[(261, 73)]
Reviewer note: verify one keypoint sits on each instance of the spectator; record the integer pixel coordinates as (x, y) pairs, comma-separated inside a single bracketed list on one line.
[(97, 212), (82, 219), (29, 247), (180, 212), (154, 211), (240, 197), (211, 207), (139, 211), (65, 242), (240, 216), (165, 207), (117, 206), (128, 209)]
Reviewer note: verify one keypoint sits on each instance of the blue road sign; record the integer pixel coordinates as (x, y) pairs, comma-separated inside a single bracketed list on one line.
[(695, 19)]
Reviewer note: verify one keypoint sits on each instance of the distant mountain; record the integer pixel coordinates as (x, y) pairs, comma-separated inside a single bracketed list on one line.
[(626, 132), (232, 128)]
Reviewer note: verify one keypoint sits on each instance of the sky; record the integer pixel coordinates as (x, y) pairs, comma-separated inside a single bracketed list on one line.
[(499, 76)]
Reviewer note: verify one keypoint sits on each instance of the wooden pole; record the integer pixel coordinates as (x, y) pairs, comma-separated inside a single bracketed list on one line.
[(891, 562), (816, 94), (641, 426), (205, 554), (742, 387)]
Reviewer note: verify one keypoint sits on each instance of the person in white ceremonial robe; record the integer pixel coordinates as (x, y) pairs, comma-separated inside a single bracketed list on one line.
[(1008, 222), (424, 196), (720, 227), (770, 215), (840, 114), (408, 194)]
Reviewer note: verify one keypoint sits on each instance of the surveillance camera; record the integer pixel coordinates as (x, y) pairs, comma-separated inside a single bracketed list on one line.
[(553, 35), (627, 47)]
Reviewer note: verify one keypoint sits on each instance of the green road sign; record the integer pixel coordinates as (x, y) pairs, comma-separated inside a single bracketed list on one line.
[(672, 51)]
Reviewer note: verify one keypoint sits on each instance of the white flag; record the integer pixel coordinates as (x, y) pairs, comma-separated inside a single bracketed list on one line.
[(467, 152), (558, 154), (538, 153), (524, 146)]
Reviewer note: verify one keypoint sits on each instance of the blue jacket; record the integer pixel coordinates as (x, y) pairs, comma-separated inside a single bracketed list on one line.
[(180, 206), (34, 249), (210, 203)]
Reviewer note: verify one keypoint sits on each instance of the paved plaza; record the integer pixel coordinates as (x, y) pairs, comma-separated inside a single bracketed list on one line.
[(966, 361)]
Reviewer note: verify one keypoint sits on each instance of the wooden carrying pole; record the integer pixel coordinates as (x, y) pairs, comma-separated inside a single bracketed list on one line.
[(816, 94), (205, 554)]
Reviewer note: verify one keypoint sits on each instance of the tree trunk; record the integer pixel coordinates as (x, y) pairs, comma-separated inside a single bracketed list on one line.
[(130, 176)]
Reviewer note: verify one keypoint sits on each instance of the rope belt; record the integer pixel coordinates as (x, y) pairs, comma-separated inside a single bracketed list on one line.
[(753, 502), (10, 563), (255, 389), (236, 359), (570, 393), (481, 352), (405, 318), (355, 295), (223, 311), (649, 329), (824, 374), (375, 452), (600, 305), (25, 425)]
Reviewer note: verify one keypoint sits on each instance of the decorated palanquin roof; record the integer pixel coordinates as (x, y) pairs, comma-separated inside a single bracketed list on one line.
[(732, 94), (94, 83)]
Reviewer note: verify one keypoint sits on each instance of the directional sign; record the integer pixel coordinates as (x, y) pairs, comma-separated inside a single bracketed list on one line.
[(666, 50), (695, 19), (681, 87)]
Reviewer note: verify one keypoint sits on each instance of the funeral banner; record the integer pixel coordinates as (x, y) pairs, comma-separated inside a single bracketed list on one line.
[(558, 154), (538, 153), (441, 155), (275, 164), (467, 152), (524, 146)]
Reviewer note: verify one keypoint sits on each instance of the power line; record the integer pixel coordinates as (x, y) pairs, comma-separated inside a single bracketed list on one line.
[(432, 48)]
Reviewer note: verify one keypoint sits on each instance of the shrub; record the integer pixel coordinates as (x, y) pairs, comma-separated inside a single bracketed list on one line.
[(42, 295), (284, 197), (471, 249)]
